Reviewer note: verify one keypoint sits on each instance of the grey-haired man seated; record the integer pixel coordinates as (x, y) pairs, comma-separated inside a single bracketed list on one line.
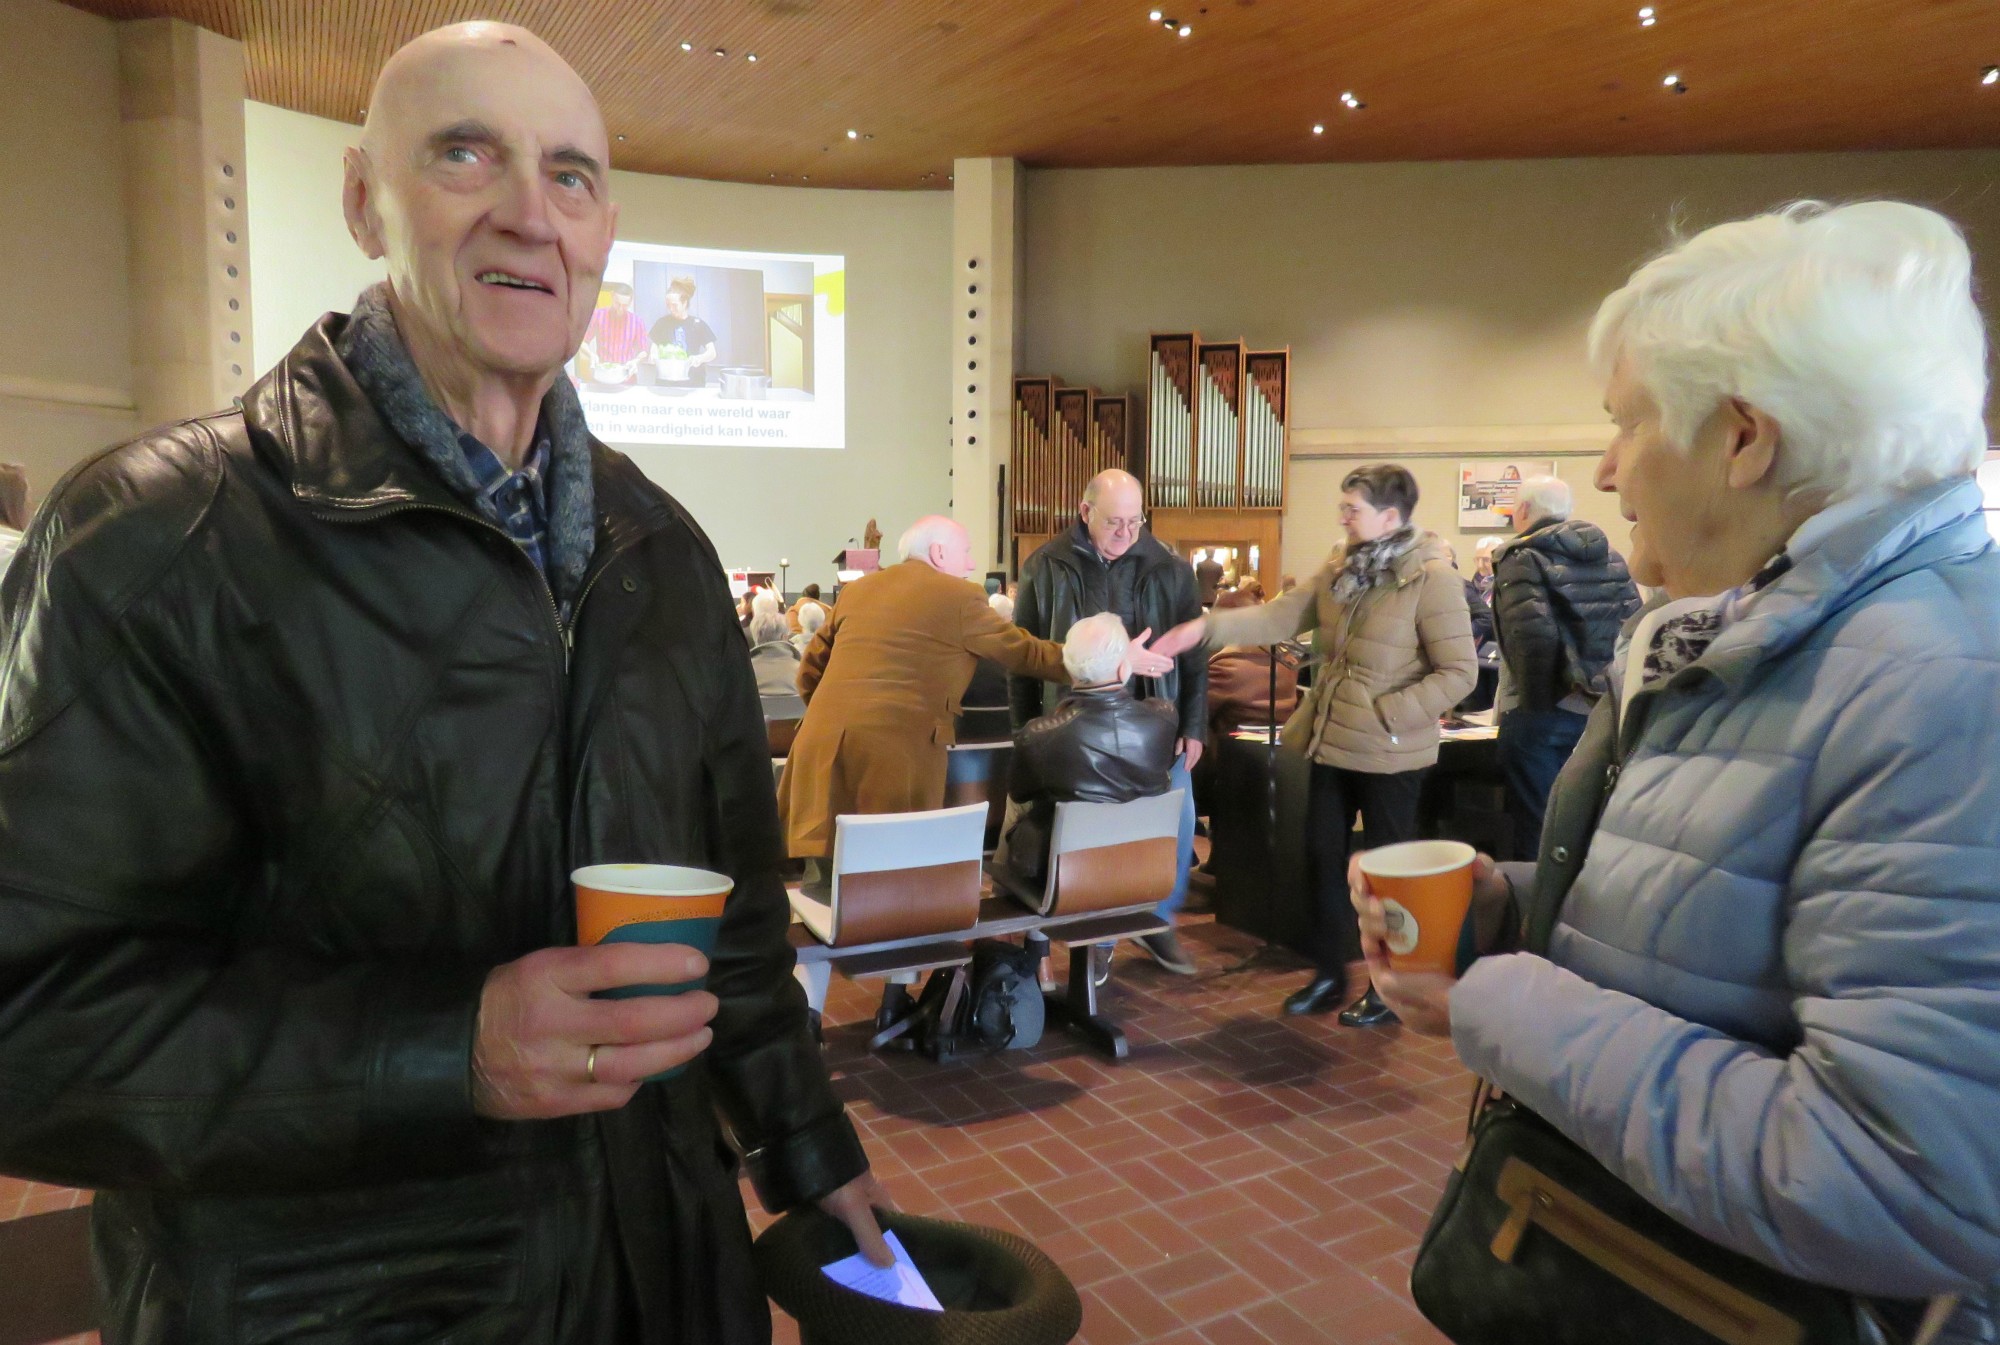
[(1101, 744)]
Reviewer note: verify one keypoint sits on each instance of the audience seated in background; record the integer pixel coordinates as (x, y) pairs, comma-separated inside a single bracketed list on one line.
[(810, 618), (808, 600), (776, 663), (1101, 744)]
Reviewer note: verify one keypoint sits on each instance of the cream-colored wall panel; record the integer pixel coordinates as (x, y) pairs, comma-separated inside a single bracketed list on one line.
[(68, 333), (1413, 293)]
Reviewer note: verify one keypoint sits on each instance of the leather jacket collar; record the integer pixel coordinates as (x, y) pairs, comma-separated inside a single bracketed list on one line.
[(318, 431)]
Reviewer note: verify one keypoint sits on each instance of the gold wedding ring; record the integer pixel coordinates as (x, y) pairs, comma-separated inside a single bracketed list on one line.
[(590, 1065)]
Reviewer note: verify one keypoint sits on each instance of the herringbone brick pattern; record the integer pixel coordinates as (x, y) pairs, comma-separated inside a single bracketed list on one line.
[(1241, 1179)]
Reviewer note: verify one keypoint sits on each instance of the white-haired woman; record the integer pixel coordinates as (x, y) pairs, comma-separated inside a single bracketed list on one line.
[(1764, 978)]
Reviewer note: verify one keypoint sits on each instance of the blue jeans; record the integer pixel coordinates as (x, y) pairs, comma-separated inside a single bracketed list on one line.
[(1178, 778), (1533, 746)]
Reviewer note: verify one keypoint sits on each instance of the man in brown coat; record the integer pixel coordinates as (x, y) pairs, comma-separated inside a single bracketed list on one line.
[(882, 682)]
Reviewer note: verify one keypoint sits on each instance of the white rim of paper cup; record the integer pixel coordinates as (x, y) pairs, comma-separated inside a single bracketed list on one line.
[(1416, 859), (653, 880)]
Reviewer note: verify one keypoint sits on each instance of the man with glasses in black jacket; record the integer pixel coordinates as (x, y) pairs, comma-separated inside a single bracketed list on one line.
[(1108, 562)]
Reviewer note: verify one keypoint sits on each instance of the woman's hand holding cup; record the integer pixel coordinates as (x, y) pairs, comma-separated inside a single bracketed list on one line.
[(1415, 979)]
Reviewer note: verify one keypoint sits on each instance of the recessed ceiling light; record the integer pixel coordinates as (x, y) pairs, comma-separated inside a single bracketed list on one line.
[(1671, 80), (687, 46), (1153, 17), (1184, 30), (722, 51), (752, 58), (1318, 129), (621, 139), (1647, 23), (854, 135), (1353, 104), (1991, 75), (1646, 16)]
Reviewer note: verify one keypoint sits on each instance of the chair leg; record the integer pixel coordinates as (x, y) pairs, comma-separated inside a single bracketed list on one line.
[(1076, 1008), (815, 977)]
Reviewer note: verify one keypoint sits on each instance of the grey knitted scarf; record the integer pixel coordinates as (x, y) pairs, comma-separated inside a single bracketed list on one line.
[(1373, 564), (374, 353)]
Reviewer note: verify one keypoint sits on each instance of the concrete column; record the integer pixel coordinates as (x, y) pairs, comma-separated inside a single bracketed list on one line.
[(187, 218), (985, 331)]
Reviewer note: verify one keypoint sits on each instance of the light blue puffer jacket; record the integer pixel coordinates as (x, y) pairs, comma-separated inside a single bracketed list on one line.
[(1772, 1001)]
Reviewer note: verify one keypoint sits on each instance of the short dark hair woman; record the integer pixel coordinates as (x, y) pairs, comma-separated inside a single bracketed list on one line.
[(1389, 623)]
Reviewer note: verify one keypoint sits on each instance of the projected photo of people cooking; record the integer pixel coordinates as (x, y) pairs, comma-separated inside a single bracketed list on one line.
[(706, 347)]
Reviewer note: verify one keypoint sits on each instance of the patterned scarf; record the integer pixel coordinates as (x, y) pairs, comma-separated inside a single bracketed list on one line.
[(1373, 564), (1682, 639), (374, 353)]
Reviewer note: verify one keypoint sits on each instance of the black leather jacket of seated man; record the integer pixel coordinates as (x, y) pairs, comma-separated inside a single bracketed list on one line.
[(1099, 745)]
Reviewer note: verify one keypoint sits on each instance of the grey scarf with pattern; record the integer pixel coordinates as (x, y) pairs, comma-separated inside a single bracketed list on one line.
[(374, 353), (1373, 564)]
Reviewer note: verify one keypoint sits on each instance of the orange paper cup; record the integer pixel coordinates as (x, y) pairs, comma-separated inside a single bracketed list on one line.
[(649, 903), (1425, 888)]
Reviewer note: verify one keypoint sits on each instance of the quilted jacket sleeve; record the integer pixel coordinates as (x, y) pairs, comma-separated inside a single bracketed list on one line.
[(1530, 639), (139, 1049), (1868, 1156), (768, 1075)]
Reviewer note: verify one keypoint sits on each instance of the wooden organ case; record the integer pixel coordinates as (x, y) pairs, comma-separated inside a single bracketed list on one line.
[(1216, 448), (1212, 450), (1063, 436)]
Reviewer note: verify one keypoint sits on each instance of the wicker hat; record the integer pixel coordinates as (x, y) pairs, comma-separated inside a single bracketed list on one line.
[(997, 1289)]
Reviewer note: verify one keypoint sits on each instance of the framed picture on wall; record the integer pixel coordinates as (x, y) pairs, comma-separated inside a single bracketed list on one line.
[(1486, 490)]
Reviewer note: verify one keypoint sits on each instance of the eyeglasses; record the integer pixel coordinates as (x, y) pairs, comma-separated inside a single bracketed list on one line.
[(1125, 524), (1349, 512)]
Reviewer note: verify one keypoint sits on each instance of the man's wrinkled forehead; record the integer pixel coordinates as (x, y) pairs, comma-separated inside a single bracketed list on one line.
[(513, 91)]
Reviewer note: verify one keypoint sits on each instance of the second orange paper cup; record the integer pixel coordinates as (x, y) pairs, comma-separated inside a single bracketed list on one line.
[(1425, 888)]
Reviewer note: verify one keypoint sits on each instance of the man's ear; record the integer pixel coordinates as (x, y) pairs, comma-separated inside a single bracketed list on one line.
[(357, 203), (1751, 444)]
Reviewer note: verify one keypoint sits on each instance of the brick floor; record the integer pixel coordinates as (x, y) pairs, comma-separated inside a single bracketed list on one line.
[(1241, 1179)]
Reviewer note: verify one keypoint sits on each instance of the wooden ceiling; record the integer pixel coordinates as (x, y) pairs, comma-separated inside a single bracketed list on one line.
[(1092, 83)]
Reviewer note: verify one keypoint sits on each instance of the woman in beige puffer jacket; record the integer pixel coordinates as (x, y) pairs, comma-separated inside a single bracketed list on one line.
[(1393, 642)]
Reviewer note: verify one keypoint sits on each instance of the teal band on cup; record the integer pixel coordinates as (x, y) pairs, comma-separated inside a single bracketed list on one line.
[(698, 933)]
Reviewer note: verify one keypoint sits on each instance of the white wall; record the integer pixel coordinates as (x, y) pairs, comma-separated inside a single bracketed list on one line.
[(758, 504), (65, 347), (1446, 298)]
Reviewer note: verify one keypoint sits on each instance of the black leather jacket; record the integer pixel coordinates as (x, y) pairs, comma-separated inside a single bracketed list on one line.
[(293, 752), (1560, 594), (1101, 745), (1065, 581)]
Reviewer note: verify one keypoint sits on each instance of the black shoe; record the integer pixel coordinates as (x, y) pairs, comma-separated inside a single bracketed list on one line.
[(1368, 1011), (1318, 995)]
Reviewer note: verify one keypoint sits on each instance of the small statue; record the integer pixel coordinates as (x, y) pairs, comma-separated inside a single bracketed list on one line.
[(871, 536)]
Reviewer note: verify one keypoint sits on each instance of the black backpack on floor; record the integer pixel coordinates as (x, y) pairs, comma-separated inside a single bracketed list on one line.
[(994, 1006)]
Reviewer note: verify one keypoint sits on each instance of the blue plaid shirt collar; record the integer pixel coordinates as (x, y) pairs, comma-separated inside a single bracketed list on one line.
[(518, 500)]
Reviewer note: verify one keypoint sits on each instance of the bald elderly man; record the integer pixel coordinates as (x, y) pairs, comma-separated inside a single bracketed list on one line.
[(307, 711), (883, 679)]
